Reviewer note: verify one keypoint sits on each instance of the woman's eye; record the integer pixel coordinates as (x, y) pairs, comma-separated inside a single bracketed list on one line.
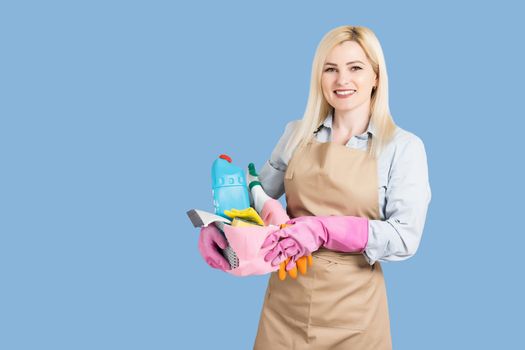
[(354, 68)]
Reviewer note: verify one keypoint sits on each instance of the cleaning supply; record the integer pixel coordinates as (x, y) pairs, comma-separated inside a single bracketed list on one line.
[(227, 252), (231, 200), (228, 186), (301, 264), (238, 222), (239, 232), (248, 214), (201, 218), (256, 190)]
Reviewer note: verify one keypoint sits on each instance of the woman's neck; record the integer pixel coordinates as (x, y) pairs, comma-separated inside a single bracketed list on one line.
[(346, 124)]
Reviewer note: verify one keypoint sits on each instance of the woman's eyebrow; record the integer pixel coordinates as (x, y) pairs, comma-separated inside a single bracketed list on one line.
[(347, 63)]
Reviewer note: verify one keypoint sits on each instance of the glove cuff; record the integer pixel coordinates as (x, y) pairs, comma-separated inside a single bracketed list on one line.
[(348, 234)]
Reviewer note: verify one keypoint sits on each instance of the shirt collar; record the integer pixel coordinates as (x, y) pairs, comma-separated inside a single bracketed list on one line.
[(327, 123)]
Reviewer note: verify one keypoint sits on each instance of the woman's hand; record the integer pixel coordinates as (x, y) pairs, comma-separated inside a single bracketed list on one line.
[(302, 237), (210, 240)]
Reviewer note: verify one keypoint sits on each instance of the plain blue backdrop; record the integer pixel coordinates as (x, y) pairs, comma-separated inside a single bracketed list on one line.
[(113, 111)]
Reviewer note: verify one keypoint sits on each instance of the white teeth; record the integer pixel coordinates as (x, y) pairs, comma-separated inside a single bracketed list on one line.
[(348, 92)]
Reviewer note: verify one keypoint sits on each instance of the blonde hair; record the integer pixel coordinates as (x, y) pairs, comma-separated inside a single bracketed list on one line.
[(317, 108)]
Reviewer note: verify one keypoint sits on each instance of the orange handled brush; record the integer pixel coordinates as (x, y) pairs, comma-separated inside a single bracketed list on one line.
[(301, 265)]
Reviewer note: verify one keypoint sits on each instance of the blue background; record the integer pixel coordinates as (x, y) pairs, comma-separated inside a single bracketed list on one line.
[(112, 113)]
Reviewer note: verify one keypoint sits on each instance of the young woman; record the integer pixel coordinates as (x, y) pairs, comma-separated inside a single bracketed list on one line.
[(357, 191)]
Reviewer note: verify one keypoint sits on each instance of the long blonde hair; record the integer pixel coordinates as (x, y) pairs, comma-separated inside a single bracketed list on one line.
[(317, 108)]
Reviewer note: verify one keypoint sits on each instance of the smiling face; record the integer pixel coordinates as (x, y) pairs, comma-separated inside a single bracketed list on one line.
[(348, 78)]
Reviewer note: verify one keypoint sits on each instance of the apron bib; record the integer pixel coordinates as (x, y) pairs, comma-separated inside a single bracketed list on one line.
[(341, 302)]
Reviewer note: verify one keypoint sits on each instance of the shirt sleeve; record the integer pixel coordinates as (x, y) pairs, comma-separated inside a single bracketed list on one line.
[(407, 198), (272, 173)]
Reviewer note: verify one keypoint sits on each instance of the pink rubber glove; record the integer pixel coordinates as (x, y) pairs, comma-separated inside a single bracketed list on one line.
[(273, 213), (210, 239), (348, 234)]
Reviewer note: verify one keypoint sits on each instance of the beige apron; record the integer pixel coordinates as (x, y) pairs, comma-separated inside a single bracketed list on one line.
[(341, 302)]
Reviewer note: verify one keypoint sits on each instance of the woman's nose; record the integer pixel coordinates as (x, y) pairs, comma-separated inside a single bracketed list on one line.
[(343, 78)]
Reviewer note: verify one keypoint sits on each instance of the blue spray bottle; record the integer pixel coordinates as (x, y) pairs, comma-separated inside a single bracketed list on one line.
[(228, 186)]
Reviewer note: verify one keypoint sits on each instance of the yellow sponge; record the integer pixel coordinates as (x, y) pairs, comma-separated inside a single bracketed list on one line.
[(248, 214)]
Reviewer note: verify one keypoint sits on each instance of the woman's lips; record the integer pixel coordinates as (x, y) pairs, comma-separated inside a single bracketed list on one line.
[(347, 93)]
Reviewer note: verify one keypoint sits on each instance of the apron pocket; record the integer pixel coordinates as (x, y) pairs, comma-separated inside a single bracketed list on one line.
[(290, 299), (341, 293)]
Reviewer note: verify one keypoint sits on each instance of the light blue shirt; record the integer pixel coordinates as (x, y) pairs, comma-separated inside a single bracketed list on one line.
[(404, 189)]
